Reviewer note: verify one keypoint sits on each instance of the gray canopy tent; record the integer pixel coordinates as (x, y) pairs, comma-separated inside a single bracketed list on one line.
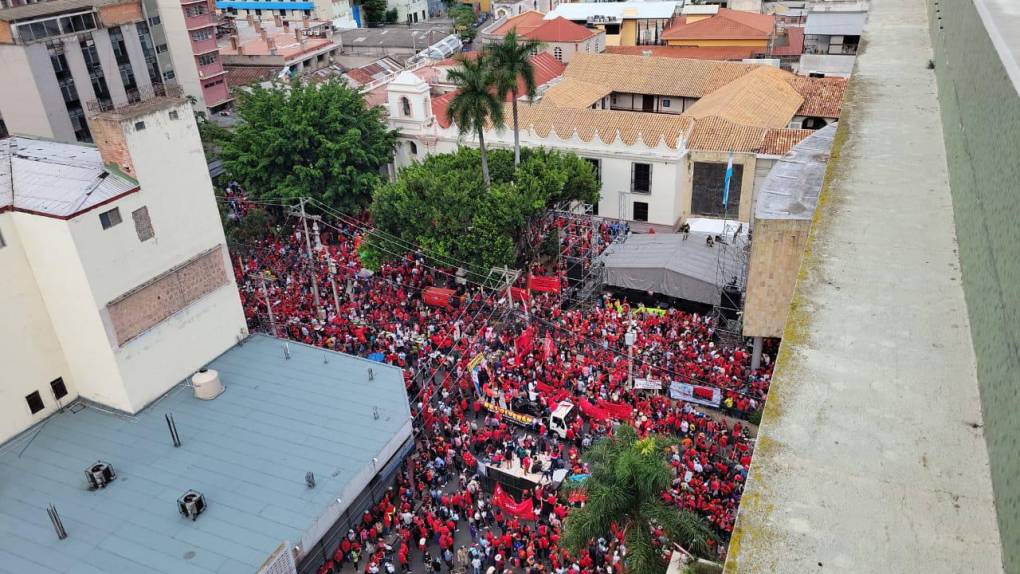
[(668, 264)]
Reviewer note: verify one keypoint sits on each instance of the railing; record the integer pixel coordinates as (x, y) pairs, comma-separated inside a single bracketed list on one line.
[(134, 96)]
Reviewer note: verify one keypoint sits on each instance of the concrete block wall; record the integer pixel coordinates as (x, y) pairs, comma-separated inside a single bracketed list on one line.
[(980, 109), (776, 253)]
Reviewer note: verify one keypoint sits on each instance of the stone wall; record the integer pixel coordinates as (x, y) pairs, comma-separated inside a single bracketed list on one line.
[(981, 119), (776, 254)]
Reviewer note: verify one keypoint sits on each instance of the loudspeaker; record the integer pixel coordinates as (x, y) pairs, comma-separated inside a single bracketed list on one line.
[(730, 301), (575, 271)]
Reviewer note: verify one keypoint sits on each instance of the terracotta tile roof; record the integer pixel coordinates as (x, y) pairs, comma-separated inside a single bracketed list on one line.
[(781, 141), (560, 30), (685, 77), (523, 23), (693, 52), (790, 44), (679, 77), (726, 25), (248, 75), (571, 93), (605, 123), (823, 97), (761, 98), (717, 134), (359, 76), (439, 108)]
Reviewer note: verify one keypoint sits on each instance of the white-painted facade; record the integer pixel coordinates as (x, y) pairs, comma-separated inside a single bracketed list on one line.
[(668, 201), (62, 273)]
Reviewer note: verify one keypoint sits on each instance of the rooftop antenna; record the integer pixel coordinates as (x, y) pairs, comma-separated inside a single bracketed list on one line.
[(172, 425), (310, 479), (58, 525), (371, 374)]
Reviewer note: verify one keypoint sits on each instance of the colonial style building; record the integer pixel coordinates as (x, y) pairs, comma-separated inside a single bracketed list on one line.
[(659, 131)]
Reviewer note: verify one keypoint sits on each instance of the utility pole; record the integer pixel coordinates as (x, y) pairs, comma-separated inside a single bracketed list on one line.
[(269, 304), (332, 281), (629, 339), (311, 258)]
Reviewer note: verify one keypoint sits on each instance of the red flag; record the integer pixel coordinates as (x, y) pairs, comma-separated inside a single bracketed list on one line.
[(548, 348)]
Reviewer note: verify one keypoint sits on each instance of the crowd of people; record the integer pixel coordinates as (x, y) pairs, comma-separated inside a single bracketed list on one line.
[(479, 349)]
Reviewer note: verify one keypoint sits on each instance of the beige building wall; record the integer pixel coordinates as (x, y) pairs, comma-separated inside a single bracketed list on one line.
[(776, 254), (178, 41), (25, 318), (29, 95)]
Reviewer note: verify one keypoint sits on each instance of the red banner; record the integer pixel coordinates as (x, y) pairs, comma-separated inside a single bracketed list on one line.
[(524, 510), (544, 283), (703, 392), (552, 395), (591, 411), (615, 410), (524, 343), (520, 294), (436, 296)]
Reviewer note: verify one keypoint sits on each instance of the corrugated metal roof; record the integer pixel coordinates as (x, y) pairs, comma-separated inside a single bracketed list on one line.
[(247, 451), (790, 190), (53, 178)]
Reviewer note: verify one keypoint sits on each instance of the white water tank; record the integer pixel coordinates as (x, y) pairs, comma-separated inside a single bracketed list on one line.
[(207, 384)]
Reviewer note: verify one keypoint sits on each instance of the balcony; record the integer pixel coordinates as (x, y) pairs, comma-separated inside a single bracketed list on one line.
[(210, 70), (203, 46), (199, 21)]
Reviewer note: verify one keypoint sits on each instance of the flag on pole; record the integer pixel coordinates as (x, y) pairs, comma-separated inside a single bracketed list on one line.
[(726, 187)]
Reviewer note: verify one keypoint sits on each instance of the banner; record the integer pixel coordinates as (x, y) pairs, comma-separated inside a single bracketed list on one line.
[(520, 294), (475, 361), (591, 411), (615, 410), (437, 296), (544, 283), (523, 344), (524, 510), (647, 385), (698, 394), (515, 417), (651, 311)]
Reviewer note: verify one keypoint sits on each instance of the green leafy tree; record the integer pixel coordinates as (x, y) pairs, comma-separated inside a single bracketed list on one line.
[(442, 204), (510, 61), (628, 476), (374, 11), (320, 141), (464, 21), (476, 105)]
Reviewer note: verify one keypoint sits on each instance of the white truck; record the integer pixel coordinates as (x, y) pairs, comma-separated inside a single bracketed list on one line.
[(562, 417)]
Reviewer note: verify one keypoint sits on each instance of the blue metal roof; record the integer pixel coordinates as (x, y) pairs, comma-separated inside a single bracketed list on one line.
[(247, 451), (256, 5)]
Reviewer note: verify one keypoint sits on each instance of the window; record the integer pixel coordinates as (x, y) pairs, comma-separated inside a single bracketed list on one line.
[(200, 35), (413, 148), (35, 402), (207, 59), (110, 218), (173, 115), (558, 53), (154, 21), (59, 388), (640, 211), (169, 75), (143, 225), (708, 184), (161, 48), (596, 165), (405, 106), (139, 126), (641, 177), (665, 102)]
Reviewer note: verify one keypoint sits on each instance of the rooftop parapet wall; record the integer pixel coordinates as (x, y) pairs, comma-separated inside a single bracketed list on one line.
[(976, 46)]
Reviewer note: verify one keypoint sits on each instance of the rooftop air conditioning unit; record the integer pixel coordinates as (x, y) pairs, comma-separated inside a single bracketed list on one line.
[(207, 385), (99, 475), (191, 504)]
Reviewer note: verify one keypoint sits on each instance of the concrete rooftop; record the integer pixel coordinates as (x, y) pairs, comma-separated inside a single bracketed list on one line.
[(247, 451), (871, 455)]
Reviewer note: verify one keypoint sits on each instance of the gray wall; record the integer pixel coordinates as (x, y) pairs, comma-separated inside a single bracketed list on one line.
[(981, 118)]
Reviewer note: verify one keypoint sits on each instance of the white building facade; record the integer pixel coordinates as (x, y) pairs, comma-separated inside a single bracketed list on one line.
[(118, 284)]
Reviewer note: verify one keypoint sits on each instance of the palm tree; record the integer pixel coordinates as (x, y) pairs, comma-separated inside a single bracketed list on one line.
[(628, 476), (476, 104), (510, 61)]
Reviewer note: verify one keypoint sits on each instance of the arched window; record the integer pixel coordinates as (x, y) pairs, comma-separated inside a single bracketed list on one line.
[(413, 148), (558, 53), (405, 106)]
